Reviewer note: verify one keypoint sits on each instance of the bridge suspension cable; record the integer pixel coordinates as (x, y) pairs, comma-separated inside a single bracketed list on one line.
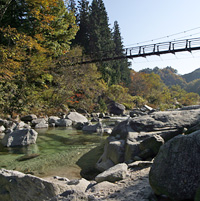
[(167, 37), (144, 51)]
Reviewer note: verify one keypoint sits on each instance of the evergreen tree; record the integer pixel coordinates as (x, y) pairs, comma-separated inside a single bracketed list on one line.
[(122, 72), (101, 43), (82, 36)]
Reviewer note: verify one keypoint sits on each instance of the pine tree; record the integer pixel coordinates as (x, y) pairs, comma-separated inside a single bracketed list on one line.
[(82, 36), (101, 43), (122, 72)]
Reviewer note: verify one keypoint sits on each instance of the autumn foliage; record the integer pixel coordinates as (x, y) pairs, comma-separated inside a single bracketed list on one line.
[(39, 40)]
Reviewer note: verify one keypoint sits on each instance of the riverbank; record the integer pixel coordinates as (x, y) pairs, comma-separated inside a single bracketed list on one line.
[(131, 150)]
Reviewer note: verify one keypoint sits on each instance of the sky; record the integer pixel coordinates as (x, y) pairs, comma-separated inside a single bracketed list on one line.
[(148, 20)]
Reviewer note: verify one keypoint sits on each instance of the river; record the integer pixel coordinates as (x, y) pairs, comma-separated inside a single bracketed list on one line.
[(61, 152)]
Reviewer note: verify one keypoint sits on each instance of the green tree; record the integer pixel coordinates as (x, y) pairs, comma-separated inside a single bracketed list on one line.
[(82, 36), (101, 43), (41, 31), (122, 72)]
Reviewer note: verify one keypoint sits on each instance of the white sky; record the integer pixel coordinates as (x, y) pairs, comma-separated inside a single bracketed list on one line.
[(145, 20)]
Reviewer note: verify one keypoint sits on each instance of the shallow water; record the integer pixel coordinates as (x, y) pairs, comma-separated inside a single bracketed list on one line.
[(58, 151)]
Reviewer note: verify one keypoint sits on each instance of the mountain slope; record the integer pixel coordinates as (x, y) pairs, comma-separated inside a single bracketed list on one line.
[(192, 76)]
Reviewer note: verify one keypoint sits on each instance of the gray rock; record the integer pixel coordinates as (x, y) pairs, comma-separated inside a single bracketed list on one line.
[(115, 173), (116, 108), (104, 162), (15, 185), (75, 117), (2, 129), (115, 151), (20, 137), (21, 124), (39, 123), (175, 171), (153, 143), (79, 185), (63, 123), (28, 118), (42, 125), (122, 129), (132, 146), (53, 119), (113, 154), (79, 125), (92, 127), (98, 187)]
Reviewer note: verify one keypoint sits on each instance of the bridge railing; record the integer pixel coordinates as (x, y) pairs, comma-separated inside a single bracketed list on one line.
[(142, 51), (157, 48)]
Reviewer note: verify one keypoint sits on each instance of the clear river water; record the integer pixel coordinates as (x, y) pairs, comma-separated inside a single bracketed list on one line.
[(61, 152)]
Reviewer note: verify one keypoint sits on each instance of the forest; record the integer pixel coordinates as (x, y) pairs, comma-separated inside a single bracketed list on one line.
[(39, 40)]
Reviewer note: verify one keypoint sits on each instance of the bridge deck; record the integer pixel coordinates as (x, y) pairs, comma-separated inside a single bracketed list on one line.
[(149, 50)]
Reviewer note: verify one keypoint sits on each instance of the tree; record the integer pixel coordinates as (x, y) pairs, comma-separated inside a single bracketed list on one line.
[(75, 86), (3, 7), (82, 36), (62, 30), (122, 72), (101, 43), (31, 37)]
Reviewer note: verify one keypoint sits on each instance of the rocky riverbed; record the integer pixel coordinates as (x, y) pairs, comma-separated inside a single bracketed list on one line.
[(132, 165)]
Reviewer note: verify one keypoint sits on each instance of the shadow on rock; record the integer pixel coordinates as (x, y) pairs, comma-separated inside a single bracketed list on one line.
[(88, 161)]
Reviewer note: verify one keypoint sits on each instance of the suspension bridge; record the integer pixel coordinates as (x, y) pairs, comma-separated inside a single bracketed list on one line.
[(158, 49)]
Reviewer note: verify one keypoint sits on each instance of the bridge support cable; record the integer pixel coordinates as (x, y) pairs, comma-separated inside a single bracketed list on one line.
[(150, 50)]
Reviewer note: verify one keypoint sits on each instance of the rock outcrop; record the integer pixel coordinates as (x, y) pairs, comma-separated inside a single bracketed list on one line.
[(142, 136), (15, 185), (175, 171)]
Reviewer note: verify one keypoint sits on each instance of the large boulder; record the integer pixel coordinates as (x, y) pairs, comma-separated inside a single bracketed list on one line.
[(15, 185), (113, 154), (53, 119), (153, 143), (21, 137), (116, 108), (28, 118), (175, 171), (75, 117), (122, 129), (63, 123)]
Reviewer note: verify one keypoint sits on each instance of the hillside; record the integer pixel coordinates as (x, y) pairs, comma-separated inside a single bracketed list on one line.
[(192, 76), (168, 75)]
